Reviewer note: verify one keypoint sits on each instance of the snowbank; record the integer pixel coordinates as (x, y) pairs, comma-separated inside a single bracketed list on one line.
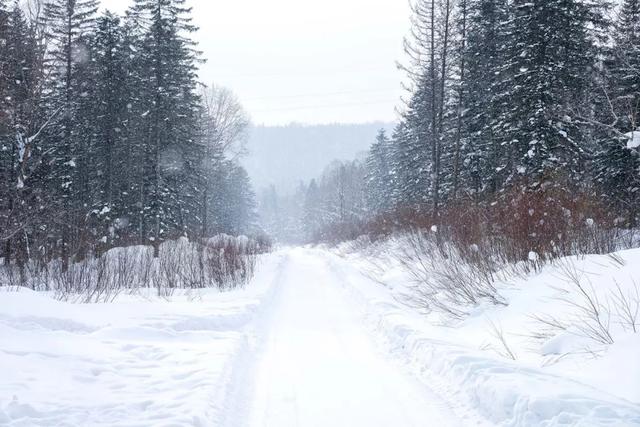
[(136, 361), (223, 262), (633, 141), (558, 378)]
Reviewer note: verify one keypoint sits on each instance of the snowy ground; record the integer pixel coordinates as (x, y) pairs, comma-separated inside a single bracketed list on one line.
[(310, 342), (561, 379), (135, 362)]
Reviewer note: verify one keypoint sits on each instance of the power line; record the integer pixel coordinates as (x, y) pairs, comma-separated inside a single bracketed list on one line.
[(321, 94), (313, 107), (308, 73)]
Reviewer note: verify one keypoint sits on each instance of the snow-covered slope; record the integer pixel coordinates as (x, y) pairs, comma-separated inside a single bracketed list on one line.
[(558, 377)]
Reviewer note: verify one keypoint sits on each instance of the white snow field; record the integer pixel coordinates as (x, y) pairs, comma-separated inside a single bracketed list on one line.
[(311, 341)]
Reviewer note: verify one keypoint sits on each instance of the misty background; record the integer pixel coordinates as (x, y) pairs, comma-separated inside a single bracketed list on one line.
[(317, 97), (283, 156)]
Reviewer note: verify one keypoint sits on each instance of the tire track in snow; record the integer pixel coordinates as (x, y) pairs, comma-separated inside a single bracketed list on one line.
[(318, 365), (241, 370)]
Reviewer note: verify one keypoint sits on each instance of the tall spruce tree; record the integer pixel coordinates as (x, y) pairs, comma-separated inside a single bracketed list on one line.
[(484, 162), (418, 146), (378, 177), (625, 66), (69, 24), (429, 50), (111, 122), (617, 166), (22, 198), (238, 215), (552, 52), (170, 175)]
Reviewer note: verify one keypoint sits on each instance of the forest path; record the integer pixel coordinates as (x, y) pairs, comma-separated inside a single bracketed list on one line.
[(318, 365)]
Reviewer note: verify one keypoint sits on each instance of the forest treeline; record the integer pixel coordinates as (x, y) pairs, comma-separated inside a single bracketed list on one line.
[(521, 122), (513, 97), (106, 136)]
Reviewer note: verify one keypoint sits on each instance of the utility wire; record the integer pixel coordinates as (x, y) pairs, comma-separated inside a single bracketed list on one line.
[(313, 107), (321, 94)]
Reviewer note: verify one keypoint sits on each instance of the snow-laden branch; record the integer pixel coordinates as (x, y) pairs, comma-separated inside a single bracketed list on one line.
[(24, 148)]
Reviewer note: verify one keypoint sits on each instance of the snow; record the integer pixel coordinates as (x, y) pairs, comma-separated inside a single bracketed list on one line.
[(315, 339), (320, 367), (565, 380), (138, 361), (633, 139)]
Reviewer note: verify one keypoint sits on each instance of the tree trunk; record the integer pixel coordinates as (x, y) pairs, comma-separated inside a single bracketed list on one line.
[(7, 252), (456, 158)]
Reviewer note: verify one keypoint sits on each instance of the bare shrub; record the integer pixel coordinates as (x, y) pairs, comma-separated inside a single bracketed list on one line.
[(146, 269), (627, 306), (124, 267), (441, 279), (592, 316), (193, 272), (170, 265), (504, 349), (223, 262), (230, 262), (552, 221)]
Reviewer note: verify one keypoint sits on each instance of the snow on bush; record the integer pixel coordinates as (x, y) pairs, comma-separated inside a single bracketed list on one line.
[(440, 276), (222, 262), (578, 367)]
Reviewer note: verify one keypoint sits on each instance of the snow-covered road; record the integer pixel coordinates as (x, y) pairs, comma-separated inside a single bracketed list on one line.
[(319, 367), (311, 341)]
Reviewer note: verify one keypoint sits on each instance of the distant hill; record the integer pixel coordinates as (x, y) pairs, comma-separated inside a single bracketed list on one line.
[(285, 155)]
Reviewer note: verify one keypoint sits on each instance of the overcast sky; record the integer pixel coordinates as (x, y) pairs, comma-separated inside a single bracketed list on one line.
[(321, 61)]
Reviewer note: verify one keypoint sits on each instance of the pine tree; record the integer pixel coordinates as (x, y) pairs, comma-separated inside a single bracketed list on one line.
[(482, 152), (271, 213), (21, 197), (111, 122), (4, 108), (456, 150), (625, 66), (4, 92), (69, 24), (312, 216), (411, 165), (240, 201), (168, 57), (429, 51), (552, 53), (379, 177), (616, 166)]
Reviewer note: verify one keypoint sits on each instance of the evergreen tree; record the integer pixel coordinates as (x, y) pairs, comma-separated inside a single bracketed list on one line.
[(271, 213), (4, 55), (551, 57), (379, 178), (239, 200), (312, 216), (414, 152), (69, 24), (482, 154), (170, 175), (424, 181), (625, 66), (617, 166), (21, 194), (103, 140), (111, 122)]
